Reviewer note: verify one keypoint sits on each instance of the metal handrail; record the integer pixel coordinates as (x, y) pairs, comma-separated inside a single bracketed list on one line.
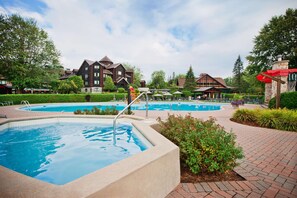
[(26, 102), (121, 112)]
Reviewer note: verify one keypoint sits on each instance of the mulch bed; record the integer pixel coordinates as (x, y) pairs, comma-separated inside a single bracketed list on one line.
[(246, 123), (188, 177)]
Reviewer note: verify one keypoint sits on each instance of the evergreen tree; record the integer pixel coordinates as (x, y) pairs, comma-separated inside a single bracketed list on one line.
[(238, 73), (190, 83)]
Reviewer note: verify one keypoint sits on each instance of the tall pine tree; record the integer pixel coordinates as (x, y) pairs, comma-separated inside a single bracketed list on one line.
[(190, 84), (238, 73)]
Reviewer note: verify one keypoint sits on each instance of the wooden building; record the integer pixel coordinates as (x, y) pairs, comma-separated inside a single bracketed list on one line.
[(94, 73), (208, 86)]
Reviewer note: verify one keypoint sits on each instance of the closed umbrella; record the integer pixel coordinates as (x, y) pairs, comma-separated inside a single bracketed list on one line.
[(177, 93), (167, 94)]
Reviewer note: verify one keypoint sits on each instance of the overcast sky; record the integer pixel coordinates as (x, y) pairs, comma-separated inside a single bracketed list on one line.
[(153, 34)]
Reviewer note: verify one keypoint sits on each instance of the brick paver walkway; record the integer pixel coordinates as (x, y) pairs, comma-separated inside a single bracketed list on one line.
[(269, 166)]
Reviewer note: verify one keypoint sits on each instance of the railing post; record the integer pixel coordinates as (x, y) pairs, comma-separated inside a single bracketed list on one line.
[(121, 112), (146, 113)]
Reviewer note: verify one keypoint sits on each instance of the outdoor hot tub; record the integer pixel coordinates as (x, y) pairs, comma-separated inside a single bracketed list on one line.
[(75, 156)]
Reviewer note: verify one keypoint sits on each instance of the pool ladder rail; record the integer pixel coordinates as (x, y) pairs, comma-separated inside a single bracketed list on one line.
[(26, 103), (121, 112)]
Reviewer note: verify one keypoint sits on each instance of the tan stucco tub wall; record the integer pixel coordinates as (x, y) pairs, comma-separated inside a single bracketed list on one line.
[(152, 173)]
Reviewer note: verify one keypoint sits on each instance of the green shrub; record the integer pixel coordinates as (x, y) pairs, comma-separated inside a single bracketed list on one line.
[(60, 98), (287, 100), (265, 119), (98, 111), (245, 115), (282, 119), (227, 95), (187, 93), (204, 145), (121, 90)]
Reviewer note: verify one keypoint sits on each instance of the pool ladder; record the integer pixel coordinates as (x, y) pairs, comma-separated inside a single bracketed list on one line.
[(26, 102), (121, 112)]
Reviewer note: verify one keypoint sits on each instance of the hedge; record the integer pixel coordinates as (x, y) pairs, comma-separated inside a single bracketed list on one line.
[(61, 98), (287, 100)]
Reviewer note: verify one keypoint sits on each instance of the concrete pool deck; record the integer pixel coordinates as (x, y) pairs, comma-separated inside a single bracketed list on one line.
[(269, 166)]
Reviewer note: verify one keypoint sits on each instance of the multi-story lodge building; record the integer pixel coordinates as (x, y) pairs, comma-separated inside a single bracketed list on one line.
[(94, 73)]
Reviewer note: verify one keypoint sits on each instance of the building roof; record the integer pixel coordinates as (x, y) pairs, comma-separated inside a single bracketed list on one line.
[(220, 80), (89, 61), (181, 81), (122, 78), (203, 89), (64, 77), (105, 71), (106, 59), (129, 70), (114, 65)]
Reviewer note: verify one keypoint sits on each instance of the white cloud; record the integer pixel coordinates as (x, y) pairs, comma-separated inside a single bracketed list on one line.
[(138, 32), (24, 13)]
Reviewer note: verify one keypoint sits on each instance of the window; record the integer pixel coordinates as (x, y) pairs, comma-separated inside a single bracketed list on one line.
[(119, 73), (86, 68), (96, 82), (96, 67), (96, 74), (86, 76), (86, 83)]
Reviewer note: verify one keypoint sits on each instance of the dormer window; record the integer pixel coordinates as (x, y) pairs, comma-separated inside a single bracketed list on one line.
[(96, 67), (86, 68), (119, 73)]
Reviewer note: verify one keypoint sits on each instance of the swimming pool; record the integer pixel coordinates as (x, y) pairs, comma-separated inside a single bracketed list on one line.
[(119, 106), (62, 151)]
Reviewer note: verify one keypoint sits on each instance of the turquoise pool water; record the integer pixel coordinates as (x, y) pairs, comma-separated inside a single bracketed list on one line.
[(152, 106), (62, 152)]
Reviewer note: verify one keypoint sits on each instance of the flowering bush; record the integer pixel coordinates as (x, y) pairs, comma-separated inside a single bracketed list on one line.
[(204, 145)]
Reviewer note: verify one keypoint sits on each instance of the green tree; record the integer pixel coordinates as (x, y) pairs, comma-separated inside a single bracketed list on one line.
[(278, 37), (64, 87), (190, 83), (27, 55), (109, 84), (77, 84), (238, 73), (229, 81), (136, 74), (251, 84), (158, 80)]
